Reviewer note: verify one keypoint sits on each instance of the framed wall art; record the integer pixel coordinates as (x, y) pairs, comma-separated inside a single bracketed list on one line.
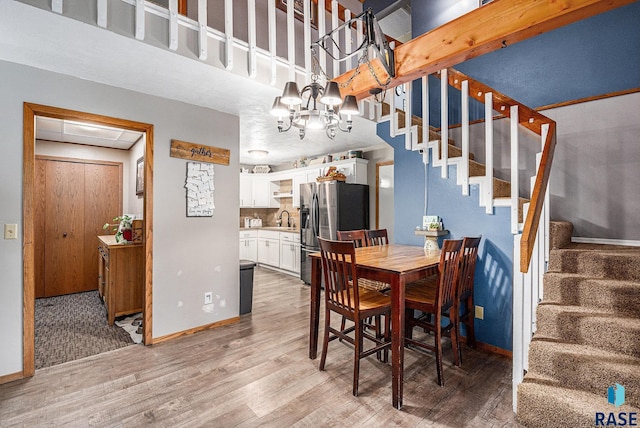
[(140, 176)]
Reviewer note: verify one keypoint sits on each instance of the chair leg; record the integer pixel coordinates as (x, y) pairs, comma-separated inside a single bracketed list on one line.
[(471, 336), (325, 344), (408, 328), (342, 326), (438, 337), (358, 349), (387, 336)]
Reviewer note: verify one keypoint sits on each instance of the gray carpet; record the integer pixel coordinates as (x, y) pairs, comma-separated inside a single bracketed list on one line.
[(73, 326)]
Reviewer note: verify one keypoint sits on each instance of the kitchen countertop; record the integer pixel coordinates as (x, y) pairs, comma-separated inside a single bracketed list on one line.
[(278, 229)]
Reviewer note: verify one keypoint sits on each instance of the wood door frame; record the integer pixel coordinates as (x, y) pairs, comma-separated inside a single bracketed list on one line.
[(378, 165), (30, 111)]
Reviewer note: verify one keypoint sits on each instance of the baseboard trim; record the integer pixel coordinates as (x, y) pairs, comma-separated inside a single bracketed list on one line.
[(489, 348), (195, 330), (625, 242), (11, 377)]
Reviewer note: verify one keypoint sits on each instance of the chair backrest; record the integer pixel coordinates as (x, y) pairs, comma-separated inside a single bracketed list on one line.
[(468, 257), (377, 237), (448, 269), (339, 270), (358, 237)]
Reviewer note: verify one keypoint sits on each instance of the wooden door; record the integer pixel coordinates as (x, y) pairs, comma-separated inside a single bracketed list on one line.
[(103, 201), (64, 228), (75, 198)]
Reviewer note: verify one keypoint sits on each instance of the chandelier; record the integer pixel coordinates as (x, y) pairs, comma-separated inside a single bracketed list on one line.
[(318, 107), (315, 107)]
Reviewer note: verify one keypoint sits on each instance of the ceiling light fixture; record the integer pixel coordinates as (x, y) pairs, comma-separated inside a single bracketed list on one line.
[(318, 107), (258, 153)]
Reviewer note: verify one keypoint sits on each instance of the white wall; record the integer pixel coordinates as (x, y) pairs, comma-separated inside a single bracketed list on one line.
[(596, 166), (191, 255)]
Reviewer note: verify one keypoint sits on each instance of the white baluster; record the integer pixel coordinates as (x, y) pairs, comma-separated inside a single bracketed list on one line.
[(322, 30), (408, 115), (488, 140), (251, 31), (272, 40), (515, 193), (308, 66), (228, 34), (202, 35), (291, 40), (444, 123), (102, 13), (334, 25), (464, 166), (139, 31), (173, 25), (56, 6)]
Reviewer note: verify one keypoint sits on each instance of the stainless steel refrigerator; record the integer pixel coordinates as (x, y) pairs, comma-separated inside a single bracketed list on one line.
[(325, 208)]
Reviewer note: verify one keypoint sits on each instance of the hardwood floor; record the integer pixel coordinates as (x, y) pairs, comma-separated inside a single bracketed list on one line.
[(257, 373)]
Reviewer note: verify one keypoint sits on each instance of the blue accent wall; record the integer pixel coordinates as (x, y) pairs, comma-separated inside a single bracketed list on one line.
[(462, 216), (592, 57)]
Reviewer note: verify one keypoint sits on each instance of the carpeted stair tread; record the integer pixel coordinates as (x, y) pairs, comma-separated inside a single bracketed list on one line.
[(585, 367), (542, 402), (579, 325), (597, 263), (560, 234), (618, 296)]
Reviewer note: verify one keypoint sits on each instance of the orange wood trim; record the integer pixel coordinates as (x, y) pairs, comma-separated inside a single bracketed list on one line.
[(148, 237), (10, 377), (588, 99), (30, 111), (78, 160), (481, 31), (378, 165), (489, 348), (527, 116), (182, 7), (537, 199), (28, 281), (196, 330)]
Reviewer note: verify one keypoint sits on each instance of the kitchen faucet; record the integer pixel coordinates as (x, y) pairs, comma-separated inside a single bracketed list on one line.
[(288, 217)]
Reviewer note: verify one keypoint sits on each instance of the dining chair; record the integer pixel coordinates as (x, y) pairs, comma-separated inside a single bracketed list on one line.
[(343, 296), (377, 237), (436, 297), (466, 313), (358, 237)]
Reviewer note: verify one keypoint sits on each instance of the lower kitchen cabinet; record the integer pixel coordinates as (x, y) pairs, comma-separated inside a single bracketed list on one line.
[(249, 245), (290, 252)]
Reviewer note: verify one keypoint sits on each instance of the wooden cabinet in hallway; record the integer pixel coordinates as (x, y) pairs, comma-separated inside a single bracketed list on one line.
[(73, 199)]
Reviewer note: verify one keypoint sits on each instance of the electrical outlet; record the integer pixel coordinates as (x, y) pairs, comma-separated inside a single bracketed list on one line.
[(208, 297), (10, 231), (479, 312)]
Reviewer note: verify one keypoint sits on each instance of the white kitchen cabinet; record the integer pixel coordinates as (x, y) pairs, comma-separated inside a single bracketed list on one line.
[(269, 248), (290, 252), (261, 191), (246, 191), (249, 245)]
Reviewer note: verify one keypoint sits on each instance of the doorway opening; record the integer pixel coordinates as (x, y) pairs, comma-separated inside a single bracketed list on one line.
[(142, 178)]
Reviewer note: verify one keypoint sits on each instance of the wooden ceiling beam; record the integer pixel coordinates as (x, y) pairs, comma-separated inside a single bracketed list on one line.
[(486, 29)]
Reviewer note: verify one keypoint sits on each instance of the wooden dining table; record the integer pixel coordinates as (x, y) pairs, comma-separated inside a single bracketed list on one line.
[(396, 265)]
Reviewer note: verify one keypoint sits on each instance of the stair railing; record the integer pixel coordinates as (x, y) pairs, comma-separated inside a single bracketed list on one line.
[(531, 246)]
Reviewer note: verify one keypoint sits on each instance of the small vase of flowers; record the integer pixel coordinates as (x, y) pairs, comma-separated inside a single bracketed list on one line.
[(123, 226)]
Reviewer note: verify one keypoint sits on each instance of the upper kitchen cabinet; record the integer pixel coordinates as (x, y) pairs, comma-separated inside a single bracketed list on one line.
[(263, 190)]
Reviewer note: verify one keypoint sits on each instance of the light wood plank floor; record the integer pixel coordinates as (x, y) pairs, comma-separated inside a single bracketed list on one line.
[(257, 373)]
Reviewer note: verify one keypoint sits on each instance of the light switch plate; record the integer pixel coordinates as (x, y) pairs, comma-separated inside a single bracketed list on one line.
[(479, 312), (10, 231)]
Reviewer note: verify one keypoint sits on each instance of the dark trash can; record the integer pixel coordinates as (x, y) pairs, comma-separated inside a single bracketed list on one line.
[(246, 286)]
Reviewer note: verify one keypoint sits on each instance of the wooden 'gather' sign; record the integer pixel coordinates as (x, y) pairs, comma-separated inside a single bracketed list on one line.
[(199, 152)]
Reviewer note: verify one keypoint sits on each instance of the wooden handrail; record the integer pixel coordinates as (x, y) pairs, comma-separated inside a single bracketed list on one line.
[(537, 123)]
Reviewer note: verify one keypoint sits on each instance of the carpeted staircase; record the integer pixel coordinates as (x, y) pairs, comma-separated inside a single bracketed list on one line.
[(588, 335)]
